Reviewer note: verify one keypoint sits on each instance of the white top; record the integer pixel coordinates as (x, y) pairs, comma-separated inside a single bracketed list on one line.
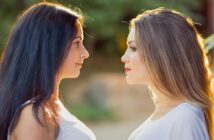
[(71, 128), (184, 122)]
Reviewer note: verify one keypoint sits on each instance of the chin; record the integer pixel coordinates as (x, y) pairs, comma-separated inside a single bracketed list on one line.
[(135, 81), (75, 75), (129, 81)]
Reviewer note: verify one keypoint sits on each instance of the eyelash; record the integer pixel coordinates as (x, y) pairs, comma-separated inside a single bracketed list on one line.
[(77, 43), (133, 48)]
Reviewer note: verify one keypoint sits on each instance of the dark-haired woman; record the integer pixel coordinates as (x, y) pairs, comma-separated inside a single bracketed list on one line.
[(44, 47)]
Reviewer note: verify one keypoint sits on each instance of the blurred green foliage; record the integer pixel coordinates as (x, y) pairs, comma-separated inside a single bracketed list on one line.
[(104, 18), (88, 112), (209, 43)]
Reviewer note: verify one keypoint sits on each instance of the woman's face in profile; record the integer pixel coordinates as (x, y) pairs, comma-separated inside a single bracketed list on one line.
[(76, 56), (135, 70)]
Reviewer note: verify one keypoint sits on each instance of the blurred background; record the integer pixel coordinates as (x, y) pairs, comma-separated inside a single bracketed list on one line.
[(100, 97)]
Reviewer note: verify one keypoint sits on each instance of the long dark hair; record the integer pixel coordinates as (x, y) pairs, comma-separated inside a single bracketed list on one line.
[(32, 57), (175, 58)]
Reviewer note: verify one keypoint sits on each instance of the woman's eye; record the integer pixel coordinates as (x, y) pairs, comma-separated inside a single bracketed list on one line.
[(133, 48), (77, 44)]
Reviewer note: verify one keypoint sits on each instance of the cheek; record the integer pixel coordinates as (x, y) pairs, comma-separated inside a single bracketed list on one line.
[(140, 74), (137, 63), (69, 61), (140, 70)]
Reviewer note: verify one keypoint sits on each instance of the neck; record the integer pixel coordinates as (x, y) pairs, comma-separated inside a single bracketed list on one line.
[(56, 89), (163, 101)]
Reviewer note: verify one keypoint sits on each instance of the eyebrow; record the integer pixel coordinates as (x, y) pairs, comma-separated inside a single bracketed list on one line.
[(132, 41), (78, 37)]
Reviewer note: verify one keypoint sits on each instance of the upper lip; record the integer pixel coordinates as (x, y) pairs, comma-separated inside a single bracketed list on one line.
[(127, 68)]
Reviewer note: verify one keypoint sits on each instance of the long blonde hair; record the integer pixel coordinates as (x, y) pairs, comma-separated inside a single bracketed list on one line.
[(173, 52)]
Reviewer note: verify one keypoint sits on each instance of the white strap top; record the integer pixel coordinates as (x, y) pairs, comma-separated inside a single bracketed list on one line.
[(184, 122), (70, 127)]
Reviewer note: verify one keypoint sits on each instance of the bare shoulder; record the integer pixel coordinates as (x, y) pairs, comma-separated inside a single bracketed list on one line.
[(29, 128)]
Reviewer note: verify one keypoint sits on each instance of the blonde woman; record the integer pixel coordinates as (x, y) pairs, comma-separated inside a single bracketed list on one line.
[(165, 53)]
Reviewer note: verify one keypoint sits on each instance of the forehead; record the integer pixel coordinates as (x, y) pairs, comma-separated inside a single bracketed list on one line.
[(131, 36), (80, 29)]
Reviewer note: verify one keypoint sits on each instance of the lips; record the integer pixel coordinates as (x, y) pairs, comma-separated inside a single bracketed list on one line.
[(79, 64), (127, 69)]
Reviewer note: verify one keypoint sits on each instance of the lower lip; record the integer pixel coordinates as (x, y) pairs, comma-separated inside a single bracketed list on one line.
[(127, 70)]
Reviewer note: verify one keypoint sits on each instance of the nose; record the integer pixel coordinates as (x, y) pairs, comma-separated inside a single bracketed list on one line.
[(124, 58), (85, 53)]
